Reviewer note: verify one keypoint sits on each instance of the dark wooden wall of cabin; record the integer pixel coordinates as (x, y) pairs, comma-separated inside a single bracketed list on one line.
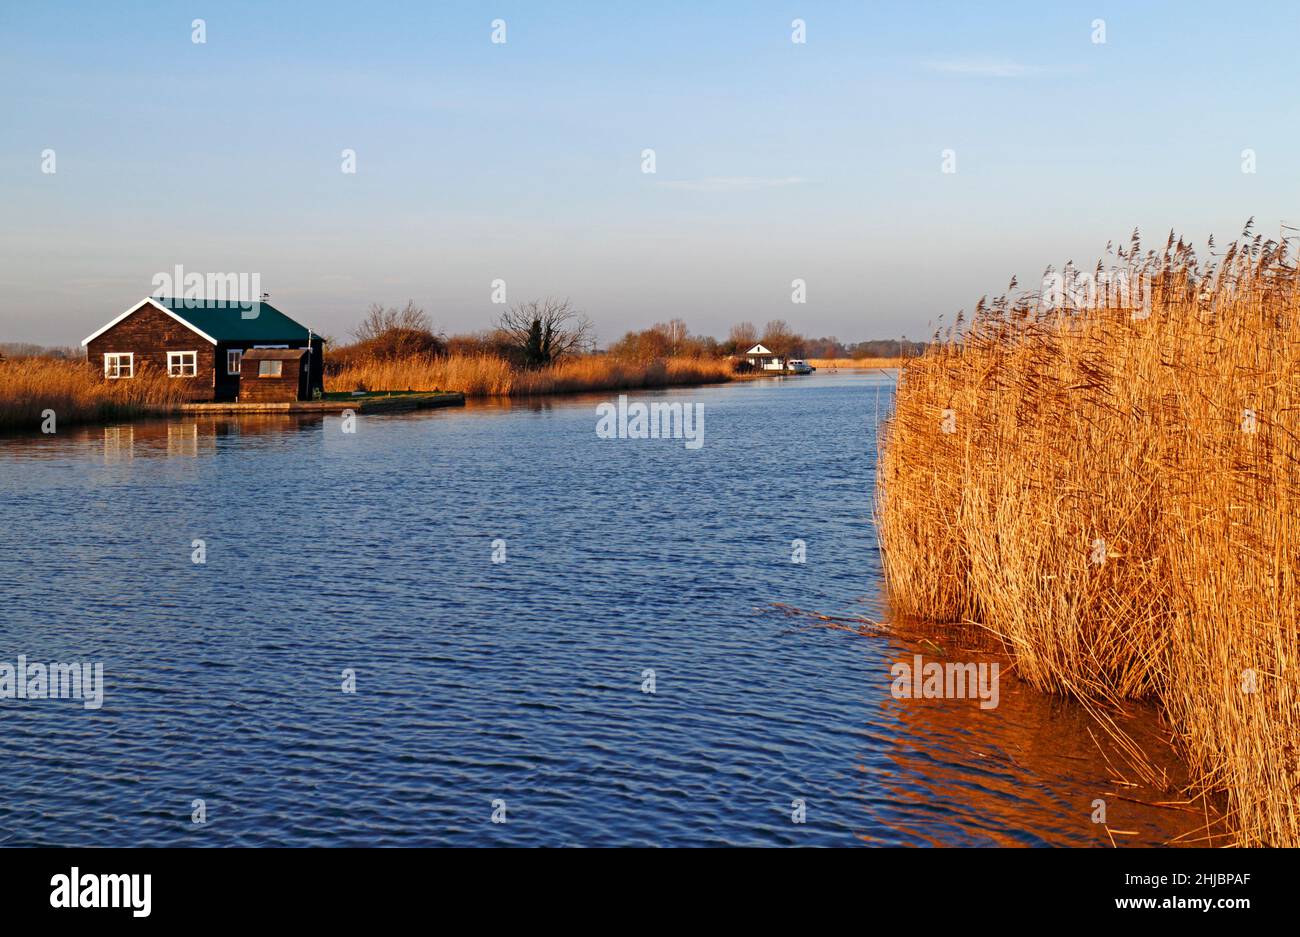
[(149, 334), (254, 389)]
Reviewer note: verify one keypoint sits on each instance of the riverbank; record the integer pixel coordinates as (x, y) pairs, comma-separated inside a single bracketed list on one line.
[(337, 403), (1111, 492), (32, 388), (854, 364), (490, 376)]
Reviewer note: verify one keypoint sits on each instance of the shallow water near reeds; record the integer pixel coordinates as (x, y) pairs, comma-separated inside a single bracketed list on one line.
[(518, 682)]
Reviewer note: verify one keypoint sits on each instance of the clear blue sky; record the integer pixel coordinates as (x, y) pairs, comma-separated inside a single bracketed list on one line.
[(522, 161)]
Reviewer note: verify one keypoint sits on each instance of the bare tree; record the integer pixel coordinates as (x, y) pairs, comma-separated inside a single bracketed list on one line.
[(780, 338), (543, 331), (677, 334), (742, 337), (379, 321), (396, 333)]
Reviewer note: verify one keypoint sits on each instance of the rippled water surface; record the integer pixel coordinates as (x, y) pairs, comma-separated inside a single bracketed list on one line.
[(520, 681)]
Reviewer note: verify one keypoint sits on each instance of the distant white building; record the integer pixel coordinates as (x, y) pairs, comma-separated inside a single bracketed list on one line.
[(764, 359)]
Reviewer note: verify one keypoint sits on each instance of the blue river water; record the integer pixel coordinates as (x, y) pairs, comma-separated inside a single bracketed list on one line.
[(515, 690)]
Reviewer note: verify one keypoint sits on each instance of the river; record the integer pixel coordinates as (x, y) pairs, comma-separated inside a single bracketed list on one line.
[(592, 640)]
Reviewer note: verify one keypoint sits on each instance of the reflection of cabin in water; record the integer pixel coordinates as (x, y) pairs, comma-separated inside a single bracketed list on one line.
[(204, 343)]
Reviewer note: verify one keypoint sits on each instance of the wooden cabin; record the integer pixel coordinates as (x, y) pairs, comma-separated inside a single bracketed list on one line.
[(203, 342), (274, 375)]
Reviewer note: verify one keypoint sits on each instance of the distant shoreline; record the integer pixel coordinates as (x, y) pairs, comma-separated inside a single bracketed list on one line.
[(855, 364)]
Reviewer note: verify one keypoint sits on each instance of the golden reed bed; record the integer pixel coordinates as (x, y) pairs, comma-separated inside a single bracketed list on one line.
[(76, 393), (834, 364), (490, 376), (1114, 490)]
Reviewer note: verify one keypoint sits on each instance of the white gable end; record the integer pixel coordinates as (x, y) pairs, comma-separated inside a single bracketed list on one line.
[(148, 301)]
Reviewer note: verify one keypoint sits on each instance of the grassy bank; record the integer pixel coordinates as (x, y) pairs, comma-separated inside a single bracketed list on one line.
[(491, 376), (76, 394), (1113, 491)]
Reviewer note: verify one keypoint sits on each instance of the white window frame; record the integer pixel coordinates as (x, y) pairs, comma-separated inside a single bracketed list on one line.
[(116, 358), (279, 367), (176, 368), (239, 362)]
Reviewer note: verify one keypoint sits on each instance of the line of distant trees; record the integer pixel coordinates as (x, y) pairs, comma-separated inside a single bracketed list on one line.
[(28, 350), (539, 332), (673, 338)]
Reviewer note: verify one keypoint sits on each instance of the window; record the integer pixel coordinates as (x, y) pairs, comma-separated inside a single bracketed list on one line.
[(270, 368), (234, 360), (182, 363), (119, 365)]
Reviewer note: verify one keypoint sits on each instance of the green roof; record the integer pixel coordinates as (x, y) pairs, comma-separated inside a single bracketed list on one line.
[(236, 321)]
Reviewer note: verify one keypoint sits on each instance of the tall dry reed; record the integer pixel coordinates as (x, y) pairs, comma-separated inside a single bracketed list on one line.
[(490, 376), (77, 393), (1110, 484), (834, 364)]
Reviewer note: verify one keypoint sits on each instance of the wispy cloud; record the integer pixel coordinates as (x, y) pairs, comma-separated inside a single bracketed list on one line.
[(730, 183), (986, 68)]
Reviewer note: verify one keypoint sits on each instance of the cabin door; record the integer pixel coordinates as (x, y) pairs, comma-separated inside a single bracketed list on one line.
[(229, 362)]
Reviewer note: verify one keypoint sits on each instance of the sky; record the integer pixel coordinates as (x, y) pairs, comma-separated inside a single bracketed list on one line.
[(522, 160)]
